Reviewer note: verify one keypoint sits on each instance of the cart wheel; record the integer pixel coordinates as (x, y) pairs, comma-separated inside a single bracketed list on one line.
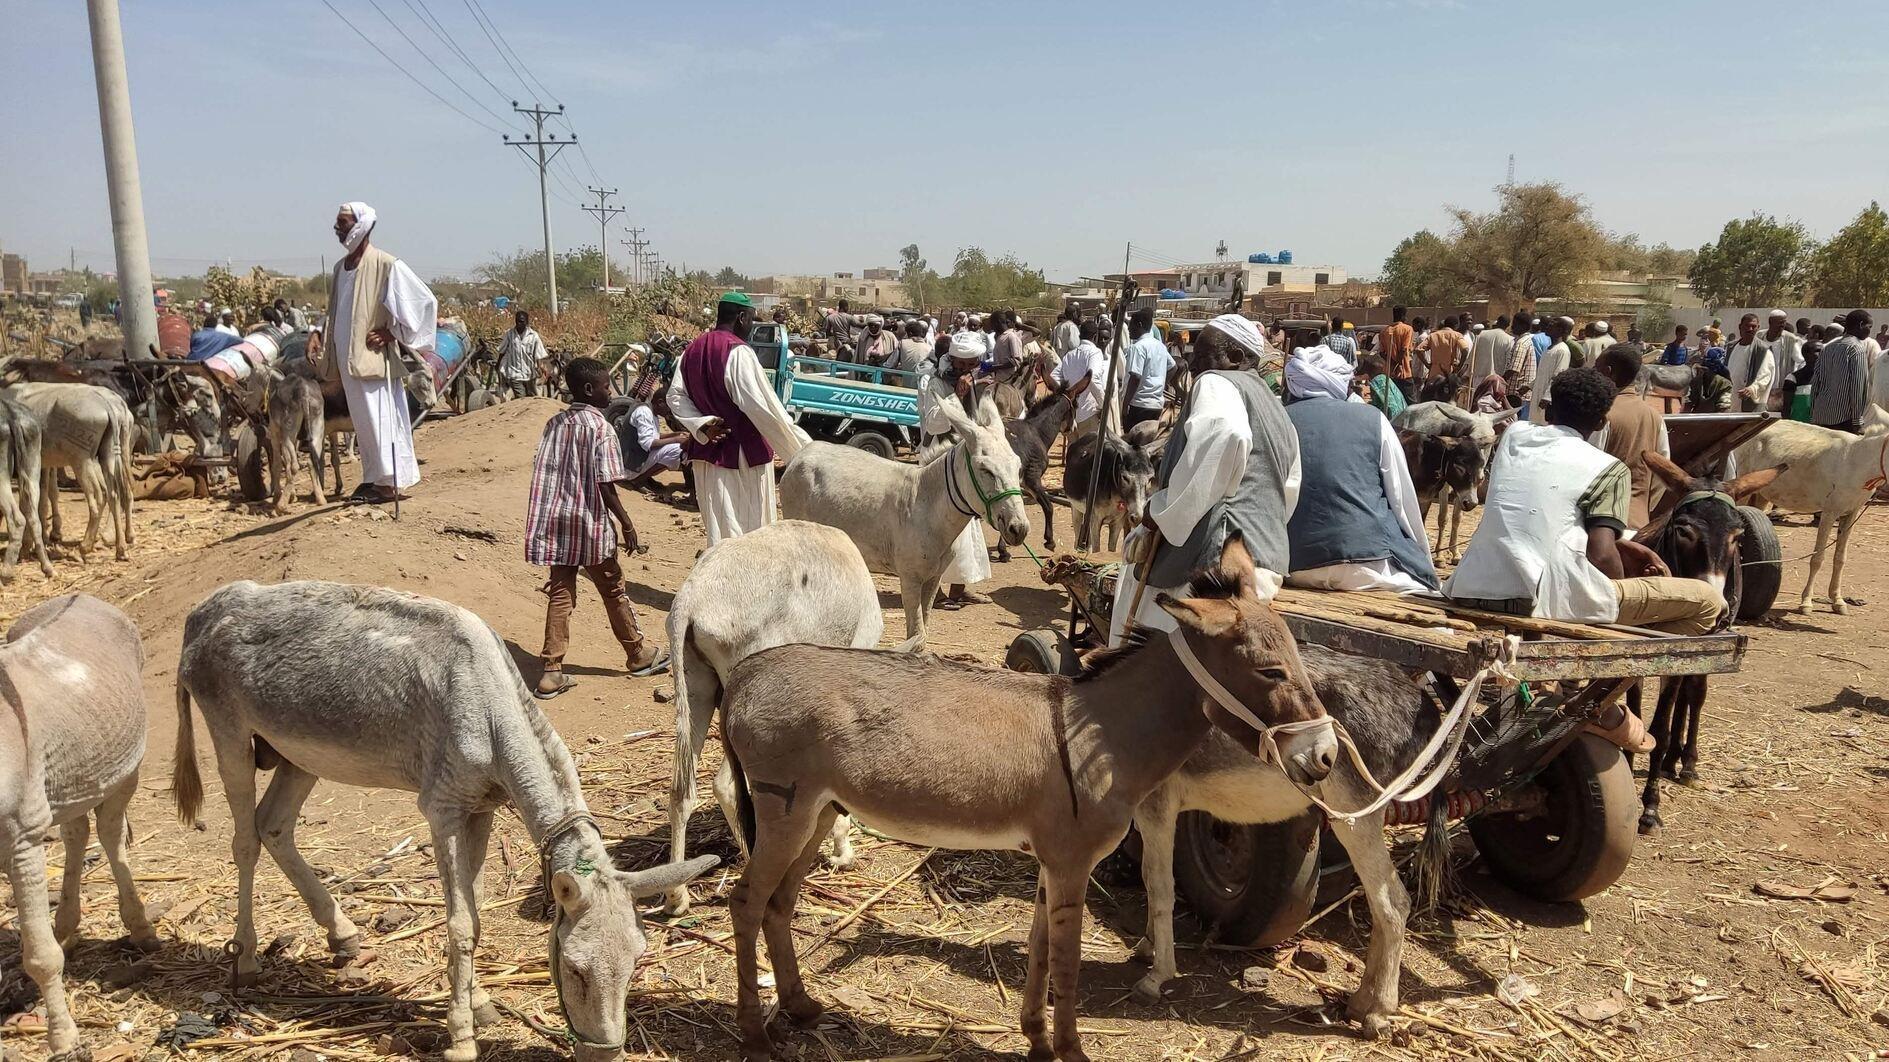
[(873, 442), (1039, 652), (1254, 885), (1581, 840), (251, 473), (1760, 564), (618, 409)]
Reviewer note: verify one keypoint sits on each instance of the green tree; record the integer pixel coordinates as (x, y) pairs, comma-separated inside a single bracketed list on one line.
[(1755, 261), (1853, 268), (920, 282), (521, 273), (1418, 272), (1538, 241), (979, 281), (728, 278)]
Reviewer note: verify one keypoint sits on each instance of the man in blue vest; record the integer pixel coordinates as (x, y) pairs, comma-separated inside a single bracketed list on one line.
[(1358, 524)]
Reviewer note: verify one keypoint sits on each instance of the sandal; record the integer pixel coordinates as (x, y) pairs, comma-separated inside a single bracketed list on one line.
[(1629, 733), (565, 682), (654, 667)]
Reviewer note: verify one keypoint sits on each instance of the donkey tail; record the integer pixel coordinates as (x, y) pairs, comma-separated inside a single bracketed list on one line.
[(744, 800), (186, 786)]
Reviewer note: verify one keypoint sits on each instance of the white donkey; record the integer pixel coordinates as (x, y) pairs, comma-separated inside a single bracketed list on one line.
[(87, 429), (905, 519), (787, 582), (374, 687), (71, 740)]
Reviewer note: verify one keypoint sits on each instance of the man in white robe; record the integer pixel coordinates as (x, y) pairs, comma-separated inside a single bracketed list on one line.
[(1209, 470), (955, 382), (737, 423), (376, 305), (1554, 361)]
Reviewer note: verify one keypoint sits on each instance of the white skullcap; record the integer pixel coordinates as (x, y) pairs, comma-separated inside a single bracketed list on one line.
[(966, 346), (1241, 331), (1602, 327)]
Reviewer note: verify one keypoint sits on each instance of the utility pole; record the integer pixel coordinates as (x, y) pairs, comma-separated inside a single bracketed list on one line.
[(539, 142), (636, 243), (129, 243), (604, 214)]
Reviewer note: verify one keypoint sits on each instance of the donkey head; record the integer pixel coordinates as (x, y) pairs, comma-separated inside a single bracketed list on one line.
[(1454, 461), (1700, 539), (598, 941), (1242, 642), (993, 480)]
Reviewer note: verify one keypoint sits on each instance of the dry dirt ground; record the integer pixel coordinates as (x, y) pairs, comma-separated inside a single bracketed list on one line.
[(920, 956)]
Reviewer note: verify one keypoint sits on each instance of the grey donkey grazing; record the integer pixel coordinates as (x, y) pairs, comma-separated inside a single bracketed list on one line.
[(373, 687), (940, 753), (1390, 720), (789, 581), (905, 519), (71, 740)]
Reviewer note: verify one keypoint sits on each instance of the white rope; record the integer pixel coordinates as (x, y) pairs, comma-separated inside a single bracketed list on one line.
[(1436, 757)]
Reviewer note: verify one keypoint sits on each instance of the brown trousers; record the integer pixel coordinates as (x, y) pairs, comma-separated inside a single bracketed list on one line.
[(562, 589)]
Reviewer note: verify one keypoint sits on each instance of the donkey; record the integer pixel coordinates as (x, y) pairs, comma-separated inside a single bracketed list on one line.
[(905, 519), (1031, 438), (1441, 466), (434, 707), (70, 746), (1127, 480), (87, 429), (786, 582), (1699, 540), (1390, 720), (21, 431), (1831, 473), (296, 417), (940, 753)]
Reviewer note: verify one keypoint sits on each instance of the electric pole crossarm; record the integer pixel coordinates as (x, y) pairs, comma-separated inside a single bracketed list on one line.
[(538, 143), (604, 213)]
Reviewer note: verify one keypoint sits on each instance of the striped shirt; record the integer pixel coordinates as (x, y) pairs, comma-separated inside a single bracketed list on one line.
[(1839, 385), (565, 521)]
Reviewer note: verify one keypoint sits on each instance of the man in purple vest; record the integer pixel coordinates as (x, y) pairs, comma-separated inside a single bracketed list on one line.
[(736, 424)]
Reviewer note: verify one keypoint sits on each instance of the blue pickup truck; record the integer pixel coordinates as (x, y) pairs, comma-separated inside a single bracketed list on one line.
[(866, 406)]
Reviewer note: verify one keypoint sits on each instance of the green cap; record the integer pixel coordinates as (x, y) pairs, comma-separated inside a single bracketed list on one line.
[(736, 297)]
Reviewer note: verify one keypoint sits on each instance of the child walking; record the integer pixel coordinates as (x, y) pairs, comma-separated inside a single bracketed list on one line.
[(568, 525)]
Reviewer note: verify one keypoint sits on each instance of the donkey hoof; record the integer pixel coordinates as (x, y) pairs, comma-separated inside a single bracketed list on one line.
[(802, 1009), (345, 949), (1041, 1053), (146, 941), (1374, 1026), (462, 1051), (1840, 607), (77, 1054), (758, 1047), (1688, 775), (486, 1014), (241, 979), (1650, 822), (1148, 990)]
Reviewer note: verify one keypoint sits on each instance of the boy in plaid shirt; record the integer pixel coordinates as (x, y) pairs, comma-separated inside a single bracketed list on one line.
[(568, 525)]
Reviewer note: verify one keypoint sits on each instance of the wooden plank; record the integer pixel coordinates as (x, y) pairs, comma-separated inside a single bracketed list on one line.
[(1409, 653)]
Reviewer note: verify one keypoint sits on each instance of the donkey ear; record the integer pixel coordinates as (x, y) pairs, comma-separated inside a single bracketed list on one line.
[(571, 891), (952, 410), (1751, 483), (1236, 563), (1208, 616), (987, 415), (1675, 478), (658, 880)]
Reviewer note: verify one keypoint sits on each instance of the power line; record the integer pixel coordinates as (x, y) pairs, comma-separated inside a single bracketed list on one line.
[(495, 46), (408, 74), (442, 70), (552, 96), (432, 22), (555, 194), (592, 167)]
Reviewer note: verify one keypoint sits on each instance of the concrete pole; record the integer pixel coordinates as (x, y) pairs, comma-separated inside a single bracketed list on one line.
[(133, 249)]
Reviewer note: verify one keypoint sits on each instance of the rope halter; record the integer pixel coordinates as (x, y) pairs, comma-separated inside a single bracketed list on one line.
[(985, 498), (571, 821)]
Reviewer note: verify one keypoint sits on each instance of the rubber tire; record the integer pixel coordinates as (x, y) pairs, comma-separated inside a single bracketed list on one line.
[(1266, 897), (618, 408), (1593, 802), (1760, 567), (252, 471), (876, 443), (1039, 652)]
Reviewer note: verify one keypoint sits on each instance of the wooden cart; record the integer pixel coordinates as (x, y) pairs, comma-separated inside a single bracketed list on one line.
[(1552, 810)]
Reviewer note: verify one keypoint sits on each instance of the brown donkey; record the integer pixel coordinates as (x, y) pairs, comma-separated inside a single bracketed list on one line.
[(939, 753)]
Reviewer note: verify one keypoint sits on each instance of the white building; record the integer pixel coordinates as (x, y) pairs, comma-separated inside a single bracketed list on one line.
[(1216, 279)]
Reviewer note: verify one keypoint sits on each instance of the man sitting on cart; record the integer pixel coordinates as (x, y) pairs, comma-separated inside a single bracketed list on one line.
[(1551, 541), (1232, 465)]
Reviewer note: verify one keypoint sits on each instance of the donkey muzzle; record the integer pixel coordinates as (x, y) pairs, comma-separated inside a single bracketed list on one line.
[(1310, 756)]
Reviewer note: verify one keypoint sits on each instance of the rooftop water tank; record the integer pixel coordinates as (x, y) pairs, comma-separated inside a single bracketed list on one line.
[(1285, 258)]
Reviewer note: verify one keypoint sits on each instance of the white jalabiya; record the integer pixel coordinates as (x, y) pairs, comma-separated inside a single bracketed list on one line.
[(1219, 441), (383, 427), (1379, 574), (1553, 362), (970, 552), (734, 501)]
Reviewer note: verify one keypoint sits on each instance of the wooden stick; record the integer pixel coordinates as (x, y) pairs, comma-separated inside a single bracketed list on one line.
[(853, 915)]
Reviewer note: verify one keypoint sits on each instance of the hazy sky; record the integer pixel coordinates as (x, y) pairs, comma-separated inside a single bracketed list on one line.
[(783, 137)]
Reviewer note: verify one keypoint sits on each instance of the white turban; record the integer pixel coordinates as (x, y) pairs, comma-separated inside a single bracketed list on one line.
[(364, 218), (1241, 331), (966, 346), (1318, 372)]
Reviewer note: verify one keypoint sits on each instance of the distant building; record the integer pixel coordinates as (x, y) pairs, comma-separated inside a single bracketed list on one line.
[(880, 273), (828, 288), (13, 274)]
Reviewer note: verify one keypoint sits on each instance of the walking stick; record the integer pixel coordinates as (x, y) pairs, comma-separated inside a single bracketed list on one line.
[(1144, 567), (1108, 404)]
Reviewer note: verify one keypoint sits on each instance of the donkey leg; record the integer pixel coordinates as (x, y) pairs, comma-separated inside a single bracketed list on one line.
[(1838, 604), (236, 765), (114, 834), (780, 837), (695, 709), (478, 842), (1066, 893), (92, 485), (1154, 819), (1375, 1001), (275, 823), (1036, 979), (314, 462), (777, 924), (40, 955), (1662, 723), (1816, 561), (65, 921), (1692, 694), (17, 534), (29, 493), (455, 872), (1041, 494)]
